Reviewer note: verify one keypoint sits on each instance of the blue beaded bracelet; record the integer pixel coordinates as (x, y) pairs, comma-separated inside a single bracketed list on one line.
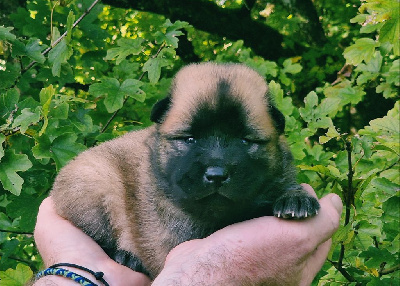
[(55, 270), (67, 274)]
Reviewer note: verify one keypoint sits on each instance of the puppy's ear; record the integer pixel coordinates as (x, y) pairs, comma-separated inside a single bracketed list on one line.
[(278, 117), (160, 109)]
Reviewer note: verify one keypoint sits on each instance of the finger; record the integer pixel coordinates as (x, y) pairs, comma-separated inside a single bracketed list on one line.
[(309, 190), (325, 224), (315, 261)]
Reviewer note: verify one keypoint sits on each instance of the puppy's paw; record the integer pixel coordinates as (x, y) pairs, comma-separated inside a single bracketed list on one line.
[(130, 260), (296, 204)]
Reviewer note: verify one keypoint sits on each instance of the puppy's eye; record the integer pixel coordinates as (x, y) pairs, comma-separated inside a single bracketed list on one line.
[(190, 140), (254, 141)]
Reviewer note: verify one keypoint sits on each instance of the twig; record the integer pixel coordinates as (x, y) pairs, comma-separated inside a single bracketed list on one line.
[(390, 270), (348, 198), (343, 271), (87, 11), (16, 232)]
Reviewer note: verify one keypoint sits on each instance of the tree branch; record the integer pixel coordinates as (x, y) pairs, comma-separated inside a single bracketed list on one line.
[(234, 24), (390, 270)]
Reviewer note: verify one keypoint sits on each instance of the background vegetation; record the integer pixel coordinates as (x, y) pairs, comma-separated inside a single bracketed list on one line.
[(333, 68)]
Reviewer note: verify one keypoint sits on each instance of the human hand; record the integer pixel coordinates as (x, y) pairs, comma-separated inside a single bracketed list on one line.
[(261, 251), (59, 241)]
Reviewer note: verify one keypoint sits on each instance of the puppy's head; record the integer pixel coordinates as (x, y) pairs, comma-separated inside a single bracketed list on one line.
[(219, 142)]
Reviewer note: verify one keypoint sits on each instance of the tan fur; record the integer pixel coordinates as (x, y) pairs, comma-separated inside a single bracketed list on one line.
[(197, 83)]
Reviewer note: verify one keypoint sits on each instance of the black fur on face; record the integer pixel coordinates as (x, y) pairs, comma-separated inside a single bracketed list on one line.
[(214, 171)]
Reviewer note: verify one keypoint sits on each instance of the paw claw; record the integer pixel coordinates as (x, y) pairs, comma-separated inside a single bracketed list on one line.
[(296, 204)]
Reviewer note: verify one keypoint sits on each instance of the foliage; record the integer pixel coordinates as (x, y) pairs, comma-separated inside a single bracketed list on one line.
[(61, 95)]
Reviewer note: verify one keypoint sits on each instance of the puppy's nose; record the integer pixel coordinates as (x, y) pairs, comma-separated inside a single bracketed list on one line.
[(216, 175)]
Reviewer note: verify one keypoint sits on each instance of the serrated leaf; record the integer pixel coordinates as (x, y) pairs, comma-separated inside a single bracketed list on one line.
[(64, 148), (60, 111), (153, 68), (10, 164), (42, 148), (46, 95), (311, 101), (111, 89), (5, 33), (58, 56), (362, 50), (8, 102), (330, 134), (329, 106), (126, 47), (131, 87), (171, 34), (33, 49), (25, 119), (25, 207), (70, 22), (290, 67), (373, 66), (9, 74), (387, 127), (385, 186), (390, 32), (18, 277)]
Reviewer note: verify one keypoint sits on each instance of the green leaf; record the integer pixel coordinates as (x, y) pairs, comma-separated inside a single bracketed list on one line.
[(131, 87), (330, 134), (311, 101), (5, 222), (5, 33), (58, 56), (171, 34), (25, 119), (46, 95), (59, 111), (18, 277), (25, 207), (153, 68), (8, 102), (390, 32), (62, 149), (126, 47), (362, 50), (10, 164), (70, 22), (42, 148), (9, 74), (290, 67), (114, 92), (32, 49), (387, 127)]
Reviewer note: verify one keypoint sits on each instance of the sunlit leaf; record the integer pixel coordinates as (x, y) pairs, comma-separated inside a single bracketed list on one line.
[(126, 47), (362, 50), (18, 277)]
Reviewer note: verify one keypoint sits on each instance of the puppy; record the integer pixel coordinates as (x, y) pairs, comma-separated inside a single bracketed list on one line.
[(216, 155)]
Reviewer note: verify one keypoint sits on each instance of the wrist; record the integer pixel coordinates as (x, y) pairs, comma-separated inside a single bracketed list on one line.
[(101, 272), (68, 275)]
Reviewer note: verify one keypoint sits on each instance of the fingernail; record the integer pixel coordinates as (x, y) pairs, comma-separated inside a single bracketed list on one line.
[(337, 203)]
